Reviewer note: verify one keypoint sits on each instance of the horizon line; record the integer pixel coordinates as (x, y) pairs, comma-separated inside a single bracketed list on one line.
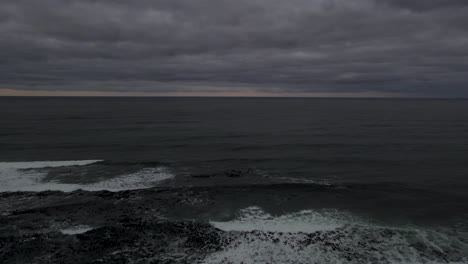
[(248, 94), (213, 96)]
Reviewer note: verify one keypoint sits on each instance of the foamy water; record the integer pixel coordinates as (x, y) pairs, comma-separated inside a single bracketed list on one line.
[(13, 177), (74, 230), (330, 236), (306, 221)]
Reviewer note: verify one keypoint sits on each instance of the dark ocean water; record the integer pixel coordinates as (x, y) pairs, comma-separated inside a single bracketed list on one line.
[(400, 161), (357, 140)]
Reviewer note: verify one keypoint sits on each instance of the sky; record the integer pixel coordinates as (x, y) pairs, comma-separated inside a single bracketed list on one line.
[(381, 48)]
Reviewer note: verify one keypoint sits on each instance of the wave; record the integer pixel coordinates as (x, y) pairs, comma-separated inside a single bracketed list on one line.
[(331, 236), (44, 164), (34, 176), (307, 221), (74, 230)]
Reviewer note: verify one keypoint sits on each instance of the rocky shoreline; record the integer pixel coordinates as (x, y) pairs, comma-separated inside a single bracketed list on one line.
[(171, 225), (124, 227)]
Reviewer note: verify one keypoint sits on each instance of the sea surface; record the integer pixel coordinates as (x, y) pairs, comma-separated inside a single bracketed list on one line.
[(385, 177)]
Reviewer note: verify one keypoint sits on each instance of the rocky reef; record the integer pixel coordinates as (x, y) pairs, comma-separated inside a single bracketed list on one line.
[(172, 225)]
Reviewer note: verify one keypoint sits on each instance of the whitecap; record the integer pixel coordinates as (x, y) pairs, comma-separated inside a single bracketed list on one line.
[(330, 236), (144, 178), (307, 221), (74, 230), (13, 178)]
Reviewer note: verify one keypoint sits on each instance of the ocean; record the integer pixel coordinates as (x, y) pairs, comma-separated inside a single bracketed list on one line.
[(274, 180)]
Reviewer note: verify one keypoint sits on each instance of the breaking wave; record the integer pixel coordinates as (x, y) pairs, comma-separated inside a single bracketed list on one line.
[(33, 176), (331, 236), (307, 221), (74, 230)]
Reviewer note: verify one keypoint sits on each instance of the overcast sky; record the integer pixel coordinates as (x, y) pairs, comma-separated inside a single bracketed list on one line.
[(235, 47)]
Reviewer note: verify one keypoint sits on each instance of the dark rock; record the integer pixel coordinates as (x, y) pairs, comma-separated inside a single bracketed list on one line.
[(203, 175)]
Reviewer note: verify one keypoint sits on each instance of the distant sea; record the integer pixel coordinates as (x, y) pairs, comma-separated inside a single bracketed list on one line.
[(403, 164)]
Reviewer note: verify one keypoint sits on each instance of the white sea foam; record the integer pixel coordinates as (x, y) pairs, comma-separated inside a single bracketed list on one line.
[(144, 178), (307, 221), (74, 230), (13, 178), (330, 236), (43, 164)]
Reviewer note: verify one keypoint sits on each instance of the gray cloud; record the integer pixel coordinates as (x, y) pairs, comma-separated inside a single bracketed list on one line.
[(417, 47)]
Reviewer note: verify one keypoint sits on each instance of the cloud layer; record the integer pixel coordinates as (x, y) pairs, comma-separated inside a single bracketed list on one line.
[(408, 47)]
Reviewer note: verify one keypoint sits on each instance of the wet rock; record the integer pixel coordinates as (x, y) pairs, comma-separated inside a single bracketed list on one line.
[(238, 173), (203, 175)]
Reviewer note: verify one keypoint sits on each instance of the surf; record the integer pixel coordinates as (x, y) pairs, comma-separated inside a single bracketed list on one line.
[(32, 176)]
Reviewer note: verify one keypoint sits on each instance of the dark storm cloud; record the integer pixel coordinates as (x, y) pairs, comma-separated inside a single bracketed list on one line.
[(428, 4), (417, 47)]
